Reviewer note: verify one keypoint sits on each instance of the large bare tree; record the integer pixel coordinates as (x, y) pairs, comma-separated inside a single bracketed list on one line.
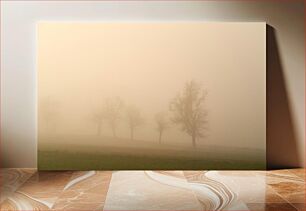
[(188, 111), (98, 118), (134, 119), (112, 112), (161, 123)]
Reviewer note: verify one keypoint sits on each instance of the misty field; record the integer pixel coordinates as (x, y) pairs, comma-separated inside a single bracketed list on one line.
[(151, 96), (109, 153)]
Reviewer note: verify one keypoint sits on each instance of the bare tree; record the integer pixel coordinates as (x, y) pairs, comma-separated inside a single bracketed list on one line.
[(134, 119), (112, 113), (49, 113), (98, 118), (188, 111), (162, 124)]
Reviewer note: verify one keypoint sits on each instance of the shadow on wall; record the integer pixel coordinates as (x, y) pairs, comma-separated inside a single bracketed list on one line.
[(281, 141)]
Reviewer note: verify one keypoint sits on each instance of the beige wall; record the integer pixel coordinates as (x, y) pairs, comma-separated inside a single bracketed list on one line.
[(18, 67)]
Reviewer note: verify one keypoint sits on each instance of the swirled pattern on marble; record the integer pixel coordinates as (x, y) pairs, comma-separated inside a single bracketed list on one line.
[(25, 189)]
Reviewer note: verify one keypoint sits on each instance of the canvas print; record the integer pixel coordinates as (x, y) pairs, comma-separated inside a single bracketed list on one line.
[(171, 95)]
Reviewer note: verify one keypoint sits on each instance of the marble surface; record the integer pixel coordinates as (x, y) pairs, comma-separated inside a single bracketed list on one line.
[(28, 189)]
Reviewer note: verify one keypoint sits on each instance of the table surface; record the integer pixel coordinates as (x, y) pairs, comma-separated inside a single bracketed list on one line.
[(29, 189)]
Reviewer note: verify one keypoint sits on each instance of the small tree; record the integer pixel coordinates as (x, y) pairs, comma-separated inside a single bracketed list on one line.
[(188, 111), (161, 123), (134, 119), (112, 113), (98, 118), (49, 114)]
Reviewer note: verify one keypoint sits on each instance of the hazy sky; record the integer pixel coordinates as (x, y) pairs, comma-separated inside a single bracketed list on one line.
[(146, 65)]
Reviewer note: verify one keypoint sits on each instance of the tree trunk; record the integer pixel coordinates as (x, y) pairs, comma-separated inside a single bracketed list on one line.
[(99, 129), (194, 141), (132, 133), (160, 136), (114, 131)]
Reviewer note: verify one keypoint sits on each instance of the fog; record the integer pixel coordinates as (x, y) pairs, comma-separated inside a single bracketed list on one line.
[(83, 67)]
